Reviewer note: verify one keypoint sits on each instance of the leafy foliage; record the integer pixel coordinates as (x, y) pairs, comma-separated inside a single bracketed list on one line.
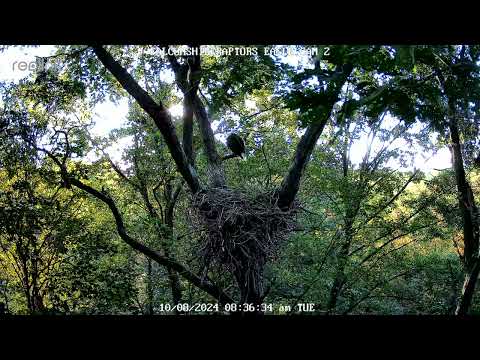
[(372, 235)]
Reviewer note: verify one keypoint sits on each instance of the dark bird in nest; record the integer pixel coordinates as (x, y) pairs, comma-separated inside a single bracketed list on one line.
[(236, 145)]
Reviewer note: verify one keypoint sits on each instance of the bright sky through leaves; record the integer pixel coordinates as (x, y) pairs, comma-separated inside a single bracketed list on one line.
[(109, 116)]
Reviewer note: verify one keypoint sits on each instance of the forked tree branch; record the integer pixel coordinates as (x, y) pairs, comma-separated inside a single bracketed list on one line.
[(189, 88), (181, 71), (157, 112)]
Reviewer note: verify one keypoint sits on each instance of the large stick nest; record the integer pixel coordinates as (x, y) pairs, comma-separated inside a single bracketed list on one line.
[(241, 229)]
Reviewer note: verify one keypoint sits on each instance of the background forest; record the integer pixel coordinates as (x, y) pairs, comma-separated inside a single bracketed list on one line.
[(328, 203)]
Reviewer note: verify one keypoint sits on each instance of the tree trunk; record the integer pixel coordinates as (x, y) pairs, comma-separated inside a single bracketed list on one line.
[(193, 103), (172, 274), (466, 200), (175, 286), (215, 171), (469, 213), (250, 283), (468, 290)]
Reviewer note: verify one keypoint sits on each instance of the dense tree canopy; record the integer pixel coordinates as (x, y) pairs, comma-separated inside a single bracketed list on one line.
[(277, 184)]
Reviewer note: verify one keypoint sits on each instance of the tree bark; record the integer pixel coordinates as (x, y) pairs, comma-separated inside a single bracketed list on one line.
[(250, 284), (469, 213), (468, 290), (466, 199), (291, 183), (175, 285)]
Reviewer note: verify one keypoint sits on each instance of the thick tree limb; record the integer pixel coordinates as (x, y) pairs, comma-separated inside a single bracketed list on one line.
[(157, 112), (181, 72), (187, 140), (291, 183), (215, 167), (469, 213), (466, 199), (189, 90)]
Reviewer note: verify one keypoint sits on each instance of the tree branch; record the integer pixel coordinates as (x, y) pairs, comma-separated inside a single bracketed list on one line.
[(157, 112), (187, 140), (209, 288), (291, 183), (121, 174), (168, 262), (390, 202), (189, 90), (375, 287)]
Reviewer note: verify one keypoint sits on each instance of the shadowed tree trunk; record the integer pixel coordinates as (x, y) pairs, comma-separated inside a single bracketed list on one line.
[(468, 289), (469, 212), (466, 201)]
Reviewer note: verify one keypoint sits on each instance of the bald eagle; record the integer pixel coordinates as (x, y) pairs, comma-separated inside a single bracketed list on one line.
[(236, 145)]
